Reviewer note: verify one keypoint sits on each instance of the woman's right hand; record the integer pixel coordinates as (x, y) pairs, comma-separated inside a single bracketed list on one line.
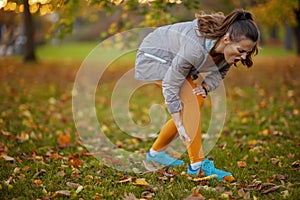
[(182, 134), (180, 128)]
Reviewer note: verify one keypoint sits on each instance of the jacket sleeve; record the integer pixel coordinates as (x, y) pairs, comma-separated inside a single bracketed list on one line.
[(187, 57), (214, 79)]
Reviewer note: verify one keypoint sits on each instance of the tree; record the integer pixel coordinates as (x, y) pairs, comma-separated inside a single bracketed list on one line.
[(151, 12), (272, 13), (29, 51)]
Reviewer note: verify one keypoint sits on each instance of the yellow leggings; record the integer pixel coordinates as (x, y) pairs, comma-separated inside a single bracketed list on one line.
[(191, 120)]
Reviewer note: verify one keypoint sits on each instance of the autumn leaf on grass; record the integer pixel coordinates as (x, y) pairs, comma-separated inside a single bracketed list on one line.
[(64, 140), (140, 182), (74, 161), (23, 137), (7, 158), (38, 182), (124, 180), (206, 178), (66, 193), (130, 196), (147, 195), (296, 164), (195, 195), (241, 164)]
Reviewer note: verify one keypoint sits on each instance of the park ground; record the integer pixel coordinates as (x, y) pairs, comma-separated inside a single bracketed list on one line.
[(41, 156)]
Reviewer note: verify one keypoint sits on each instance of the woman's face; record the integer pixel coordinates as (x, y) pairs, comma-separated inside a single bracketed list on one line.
[(237, 51)]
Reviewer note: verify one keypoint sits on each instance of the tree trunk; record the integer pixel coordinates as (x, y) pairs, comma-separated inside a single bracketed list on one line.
[(288, 38), (297, 33), (29, 51), (297, 30)]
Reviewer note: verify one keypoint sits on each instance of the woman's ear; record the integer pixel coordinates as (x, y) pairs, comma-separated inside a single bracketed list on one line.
[(226, 39)]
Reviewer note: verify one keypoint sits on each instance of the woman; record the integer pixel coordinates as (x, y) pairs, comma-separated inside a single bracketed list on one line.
[(173, 56)]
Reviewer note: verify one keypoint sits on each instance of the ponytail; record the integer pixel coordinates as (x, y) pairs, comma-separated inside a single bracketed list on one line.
[(238, 24)]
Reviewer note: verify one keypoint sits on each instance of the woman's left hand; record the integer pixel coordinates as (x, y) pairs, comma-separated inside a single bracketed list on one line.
[(199, 90)]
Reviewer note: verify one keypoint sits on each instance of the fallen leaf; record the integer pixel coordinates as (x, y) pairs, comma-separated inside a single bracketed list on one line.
[(195, 195), (89, 177), (272, 189), (275, 160), (74, 185), (42, 171), (64, 140), (241, 164), (98, 196), (241, 192), (79, 189), (225, 196), (285, 194), (140, 182), (247, 195), (23, 137), (125, 180), (192, 197), (61, 193), (280, 177), (38, 182), (147, 195), (229, 179), (296, 164), (290, 155), (206, 178), (130, 196), (119, 144), (252, 142), (7, 158)]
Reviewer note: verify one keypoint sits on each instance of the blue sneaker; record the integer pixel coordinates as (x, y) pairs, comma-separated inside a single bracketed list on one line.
[(192, 171), (209, 169), (163, 158)]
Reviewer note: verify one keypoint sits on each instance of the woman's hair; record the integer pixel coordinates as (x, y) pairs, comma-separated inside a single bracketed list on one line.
[(238, 24)]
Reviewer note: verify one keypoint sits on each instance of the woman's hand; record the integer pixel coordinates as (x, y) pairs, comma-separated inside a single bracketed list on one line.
[(200, 90), (180, 128), (182, 134)]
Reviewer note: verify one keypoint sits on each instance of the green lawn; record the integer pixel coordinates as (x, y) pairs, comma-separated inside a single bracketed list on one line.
[(41, 156), (79, 51)]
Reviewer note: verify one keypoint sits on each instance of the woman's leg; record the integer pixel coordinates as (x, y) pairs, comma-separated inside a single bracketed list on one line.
[(165, 137), (192, 120), (167, 133)]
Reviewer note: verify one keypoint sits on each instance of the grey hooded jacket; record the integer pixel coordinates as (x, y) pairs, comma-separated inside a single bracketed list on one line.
[(173, 53)]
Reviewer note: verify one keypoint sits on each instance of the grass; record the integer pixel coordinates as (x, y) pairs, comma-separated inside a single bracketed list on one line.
[(41, 156), (80, 50)]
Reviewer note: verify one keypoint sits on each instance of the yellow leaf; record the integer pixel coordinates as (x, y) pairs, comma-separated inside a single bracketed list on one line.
[(225, 196), (296, 111), (140, 181), (244, 120), (252, 142), (206, 178)]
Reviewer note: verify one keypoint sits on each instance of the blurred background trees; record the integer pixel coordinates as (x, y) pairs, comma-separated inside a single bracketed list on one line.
[(27, 24)]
